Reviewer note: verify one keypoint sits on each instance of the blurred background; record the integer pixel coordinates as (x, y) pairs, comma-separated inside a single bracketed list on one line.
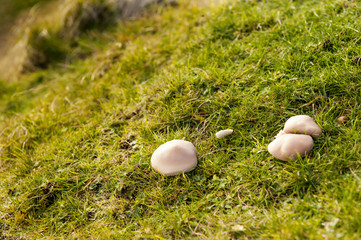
[(10, 10), (37, 33)]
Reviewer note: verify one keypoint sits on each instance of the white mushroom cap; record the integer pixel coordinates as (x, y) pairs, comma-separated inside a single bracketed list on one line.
[(174, 157), (287, 146), (302, 124), (224, 133), (280, 133)]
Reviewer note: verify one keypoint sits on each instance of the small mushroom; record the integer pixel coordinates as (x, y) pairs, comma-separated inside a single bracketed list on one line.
[(342, 119), (224, 133), (174, 157), (302, 124), (287, 146)]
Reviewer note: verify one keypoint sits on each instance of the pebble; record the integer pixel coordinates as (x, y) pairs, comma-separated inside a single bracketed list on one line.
[(224, 133)]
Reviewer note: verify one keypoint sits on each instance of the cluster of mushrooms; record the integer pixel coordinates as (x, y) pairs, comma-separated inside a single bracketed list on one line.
[(295, 138), (179, 156)]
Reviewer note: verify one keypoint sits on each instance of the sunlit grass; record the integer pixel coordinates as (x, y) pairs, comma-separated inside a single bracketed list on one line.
[(76, 139)]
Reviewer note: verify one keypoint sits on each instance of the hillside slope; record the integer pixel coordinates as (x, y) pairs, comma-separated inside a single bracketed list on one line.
[(76, 138)]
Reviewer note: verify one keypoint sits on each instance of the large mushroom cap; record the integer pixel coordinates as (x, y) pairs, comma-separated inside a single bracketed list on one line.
[(302, 124), (287, 146), (174, 157)]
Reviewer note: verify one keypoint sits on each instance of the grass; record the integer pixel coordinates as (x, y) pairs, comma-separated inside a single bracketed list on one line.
[(76, 138)]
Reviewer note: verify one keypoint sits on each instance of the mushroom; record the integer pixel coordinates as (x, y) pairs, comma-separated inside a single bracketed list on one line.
[(280, 133), (288, 146), (342, 119), (174, 157), (302, 124), (224, 133)]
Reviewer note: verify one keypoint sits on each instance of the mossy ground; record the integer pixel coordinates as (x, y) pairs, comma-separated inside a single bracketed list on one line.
[(76, 138)]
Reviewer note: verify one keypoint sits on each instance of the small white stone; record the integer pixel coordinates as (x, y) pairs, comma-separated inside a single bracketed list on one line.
[(288, 146), (174, 157), (302, 124), (224, 133)]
